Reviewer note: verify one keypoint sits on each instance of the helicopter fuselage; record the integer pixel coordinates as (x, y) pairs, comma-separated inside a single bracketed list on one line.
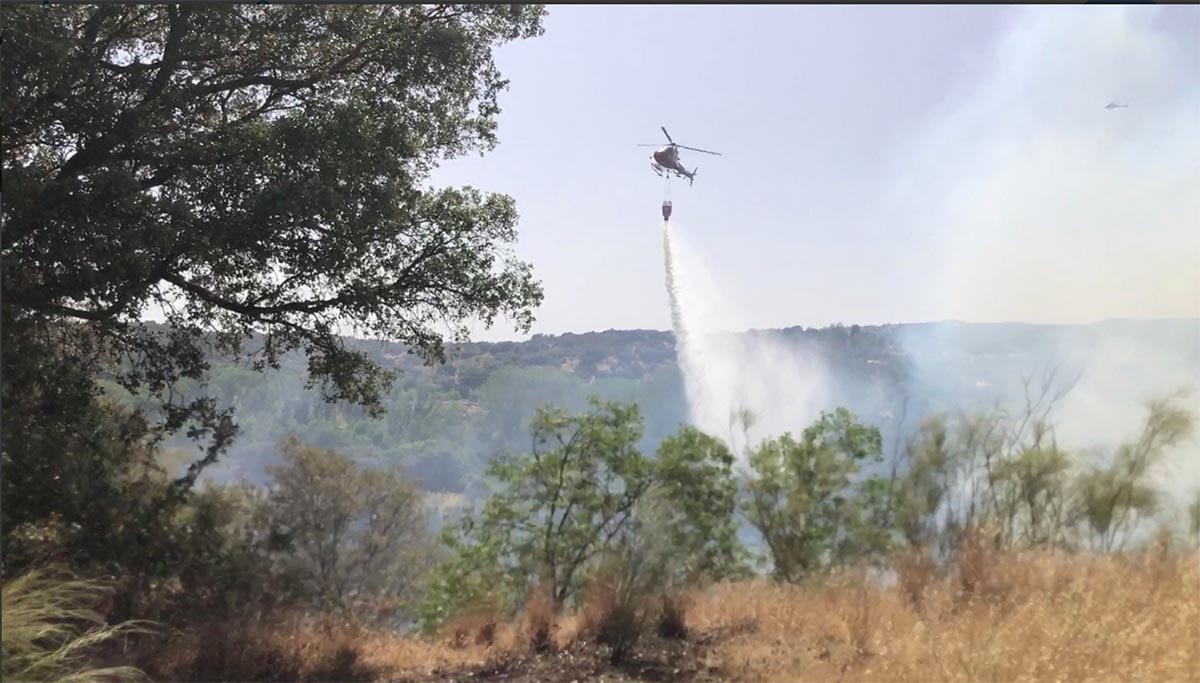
[(667, 158)]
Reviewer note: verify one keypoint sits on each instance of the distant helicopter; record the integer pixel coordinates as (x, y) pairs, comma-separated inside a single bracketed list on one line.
[(1114, 105), (666, 159)]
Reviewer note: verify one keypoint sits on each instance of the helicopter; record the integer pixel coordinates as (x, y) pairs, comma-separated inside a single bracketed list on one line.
[(1114, 105), (666, 159)]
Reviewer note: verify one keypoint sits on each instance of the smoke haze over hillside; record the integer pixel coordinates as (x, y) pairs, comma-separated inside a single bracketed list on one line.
[(1054, 209)]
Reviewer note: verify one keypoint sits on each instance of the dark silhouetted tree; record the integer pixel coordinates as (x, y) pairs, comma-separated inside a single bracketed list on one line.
[(257, 174)]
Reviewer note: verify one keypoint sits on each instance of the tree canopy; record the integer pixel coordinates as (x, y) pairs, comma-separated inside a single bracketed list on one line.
[(557, 513), (256, 168), (252, 174), (802, 493)]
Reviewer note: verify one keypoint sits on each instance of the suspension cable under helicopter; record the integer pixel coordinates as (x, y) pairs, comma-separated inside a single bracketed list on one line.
[(666, 205)]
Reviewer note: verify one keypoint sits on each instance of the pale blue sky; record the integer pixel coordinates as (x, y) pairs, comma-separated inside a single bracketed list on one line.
[(863, 148)]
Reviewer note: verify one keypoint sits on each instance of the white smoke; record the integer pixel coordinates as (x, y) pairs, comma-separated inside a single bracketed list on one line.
[(783, 387), (1120, 375), (1053, 209), (1116, 367)]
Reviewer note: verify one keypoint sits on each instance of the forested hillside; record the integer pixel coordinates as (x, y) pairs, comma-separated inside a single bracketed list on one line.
[(444, 422)]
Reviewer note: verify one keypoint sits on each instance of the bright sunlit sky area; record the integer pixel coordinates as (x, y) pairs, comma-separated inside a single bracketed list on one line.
[(880, 164)]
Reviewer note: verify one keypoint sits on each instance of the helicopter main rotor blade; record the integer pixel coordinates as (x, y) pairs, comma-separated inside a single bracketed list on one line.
[(649, 144), (699, 150), (664, 130)]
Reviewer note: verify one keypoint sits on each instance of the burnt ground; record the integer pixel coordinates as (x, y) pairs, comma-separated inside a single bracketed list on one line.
[(653, 660)]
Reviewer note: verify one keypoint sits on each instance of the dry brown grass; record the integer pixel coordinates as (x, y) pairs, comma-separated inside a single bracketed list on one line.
[(295, 648), (414, 657), (470, 643), (915, 572), (474, 628), (1034, 618), (539, 621), (613, 619), (1025, 618)]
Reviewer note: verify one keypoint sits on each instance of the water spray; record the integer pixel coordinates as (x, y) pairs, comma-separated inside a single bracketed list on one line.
[(677, 323), (733, 380)]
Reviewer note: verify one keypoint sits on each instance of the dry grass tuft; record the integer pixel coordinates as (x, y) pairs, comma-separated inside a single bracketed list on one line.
[(476, 628), (539, 620), (284, 649), (859, 625), (975, 561), (915, 572), (611, 614), (53, 629), (672, 618)]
